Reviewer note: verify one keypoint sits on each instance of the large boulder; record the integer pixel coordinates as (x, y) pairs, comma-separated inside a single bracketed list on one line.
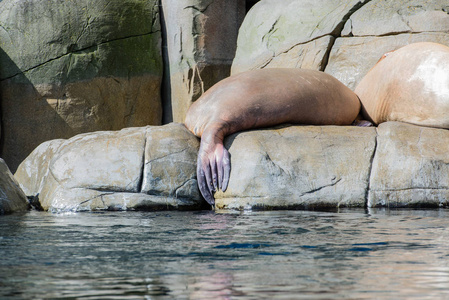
[(200, 43), (299, 167), (68, 67), (410, 168), (136, 168), (395, 165), (12, 198)]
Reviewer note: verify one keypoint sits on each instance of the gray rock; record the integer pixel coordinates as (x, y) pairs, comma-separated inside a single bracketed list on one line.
[(394, 165), (410, 167), (275, 28), (380, 18), (34, 169), (135, 168), (201, 38), (312, 55), (299, 167), (12, 198), (68, 67)]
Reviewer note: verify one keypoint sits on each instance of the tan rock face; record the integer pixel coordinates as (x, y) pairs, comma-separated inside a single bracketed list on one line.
[(37, 113), (299, 167), (383, 17), (311, 55), (410, 167), (12, 198), (135, 168), (77, 66), (282, 30), (200, 46), (34, 169)]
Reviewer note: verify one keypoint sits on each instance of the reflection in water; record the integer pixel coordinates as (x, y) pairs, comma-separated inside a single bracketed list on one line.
[(205, 255)]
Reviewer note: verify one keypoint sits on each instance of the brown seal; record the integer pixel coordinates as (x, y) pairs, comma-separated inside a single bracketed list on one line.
[(409, 85), (262, 98)]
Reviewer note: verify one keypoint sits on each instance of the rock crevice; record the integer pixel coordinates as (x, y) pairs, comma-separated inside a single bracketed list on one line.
[(77, 51), (368, 188)]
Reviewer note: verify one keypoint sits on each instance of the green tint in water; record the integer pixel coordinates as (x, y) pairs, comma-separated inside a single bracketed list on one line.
[(204, 255)]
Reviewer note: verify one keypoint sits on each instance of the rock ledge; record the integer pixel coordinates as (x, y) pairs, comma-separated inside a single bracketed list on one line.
[(288, 167)]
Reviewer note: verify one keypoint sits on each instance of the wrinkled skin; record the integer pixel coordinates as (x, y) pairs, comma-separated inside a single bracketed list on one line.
[(262, 98), (408, 85)]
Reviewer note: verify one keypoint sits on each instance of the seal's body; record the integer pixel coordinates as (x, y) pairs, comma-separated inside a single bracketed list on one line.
[(409, 85), (262, 98)]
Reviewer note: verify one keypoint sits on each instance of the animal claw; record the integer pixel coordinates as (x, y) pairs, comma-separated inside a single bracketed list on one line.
[(226, 170), (203, 184)]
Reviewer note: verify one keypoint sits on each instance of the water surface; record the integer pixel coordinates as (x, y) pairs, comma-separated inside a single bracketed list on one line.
[(205, 255)]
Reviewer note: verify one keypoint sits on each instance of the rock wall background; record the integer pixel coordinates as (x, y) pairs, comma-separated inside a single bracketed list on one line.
[(199, 47), (69, 67)]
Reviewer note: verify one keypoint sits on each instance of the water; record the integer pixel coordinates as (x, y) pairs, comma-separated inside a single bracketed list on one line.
[(353, 254)]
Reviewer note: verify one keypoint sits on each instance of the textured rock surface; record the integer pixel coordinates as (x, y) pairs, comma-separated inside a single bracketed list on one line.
[(201, 37), (34, 169), (68, 67), (411, 167), (278, 30), (12, 198), (395, 165), (135, 168), (299, 167)]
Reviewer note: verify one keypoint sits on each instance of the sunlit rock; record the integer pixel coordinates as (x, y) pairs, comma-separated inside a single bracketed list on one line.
[(201, 38), (34, 169), (410, 168), (135, 168), (288, 167), (290, 33), (12, 198), (299, 167)]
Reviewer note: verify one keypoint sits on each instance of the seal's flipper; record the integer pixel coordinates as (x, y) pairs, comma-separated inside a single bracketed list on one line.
[(204, 180)]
